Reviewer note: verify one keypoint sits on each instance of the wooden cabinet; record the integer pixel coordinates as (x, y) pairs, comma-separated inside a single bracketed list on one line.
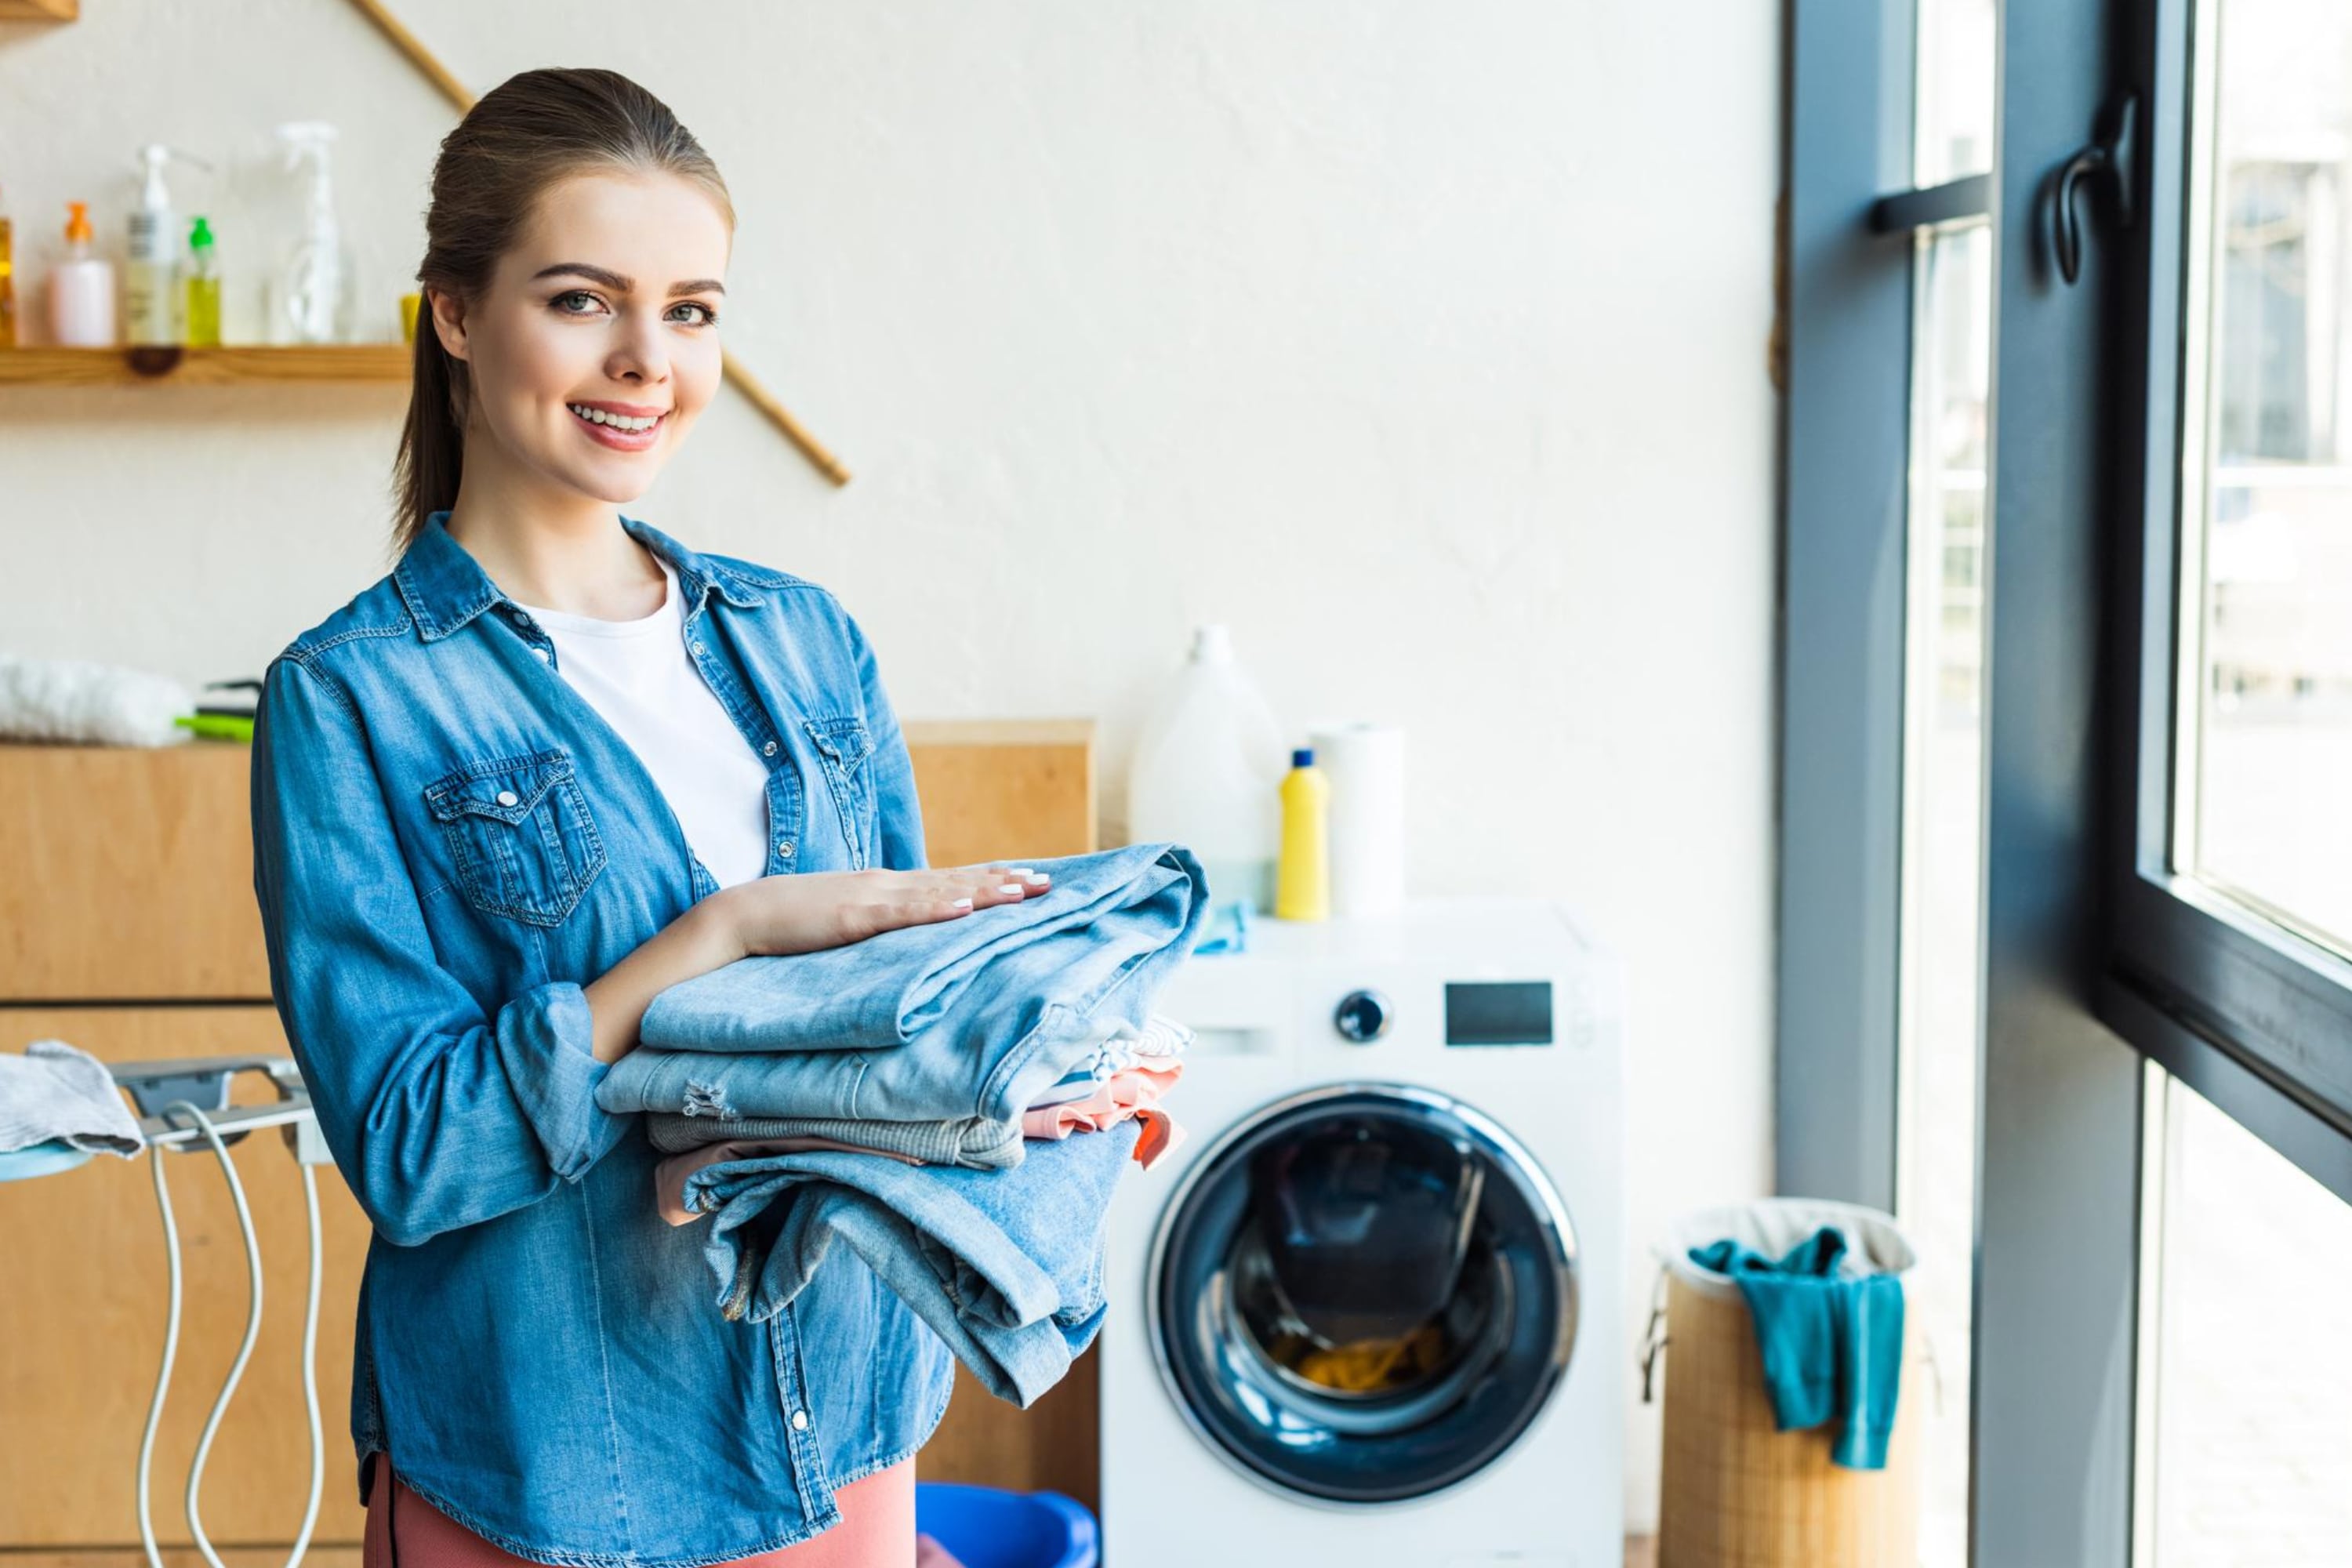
[(128, 927)]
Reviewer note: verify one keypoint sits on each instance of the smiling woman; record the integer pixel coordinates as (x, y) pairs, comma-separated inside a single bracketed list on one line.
[(552, 763)]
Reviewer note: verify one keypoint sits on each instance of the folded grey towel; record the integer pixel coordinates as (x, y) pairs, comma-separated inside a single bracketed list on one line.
[(972, 1141), (56, 1092)]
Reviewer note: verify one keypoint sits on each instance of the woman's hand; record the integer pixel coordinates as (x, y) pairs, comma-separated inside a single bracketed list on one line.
[(787, 914), (818, 910)]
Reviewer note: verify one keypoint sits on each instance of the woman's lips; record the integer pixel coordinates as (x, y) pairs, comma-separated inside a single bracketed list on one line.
[(619, 439)]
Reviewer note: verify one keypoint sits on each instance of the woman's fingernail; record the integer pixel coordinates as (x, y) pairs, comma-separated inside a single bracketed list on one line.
[(1034, 878), (1010, 887), (964, 904)]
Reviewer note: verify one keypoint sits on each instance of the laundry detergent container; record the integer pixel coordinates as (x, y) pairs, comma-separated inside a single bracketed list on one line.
[(1738, 1492)]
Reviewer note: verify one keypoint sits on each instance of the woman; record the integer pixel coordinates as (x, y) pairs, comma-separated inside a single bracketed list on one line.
[(552, 763)]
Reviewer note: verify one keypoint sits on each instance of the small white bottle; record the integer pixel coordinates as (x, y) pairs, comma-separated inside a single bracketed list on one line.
[(1208, 771), (150, 273), (81, 290)]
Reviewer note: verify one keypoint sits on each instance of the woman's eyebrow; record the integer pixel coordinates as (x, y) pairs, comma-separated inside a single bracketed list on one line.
[(616, 283)]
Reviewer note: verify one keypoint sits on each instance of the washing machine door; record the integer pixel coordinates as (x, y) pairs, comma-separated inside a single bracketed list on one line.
[(1363, 1293)]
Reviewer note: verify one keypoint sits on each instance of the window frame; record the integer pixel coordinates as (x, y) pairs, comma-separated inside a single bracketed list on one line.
[(2254, 1016)]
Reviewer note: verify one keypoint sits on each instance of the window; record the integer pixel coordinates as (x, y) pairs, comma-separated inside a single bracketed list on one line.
[(1943, 751), (2253, 1367), (2236, 911), (2266, 488)]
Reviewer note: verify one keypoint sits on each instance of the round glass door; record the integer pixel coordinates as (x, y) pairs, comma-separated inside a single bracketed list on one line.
[(1364, 1293)]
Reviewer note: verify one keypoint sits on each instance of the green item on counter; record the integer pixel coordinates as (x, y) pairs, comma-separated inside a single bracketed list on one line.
[(217, 726)]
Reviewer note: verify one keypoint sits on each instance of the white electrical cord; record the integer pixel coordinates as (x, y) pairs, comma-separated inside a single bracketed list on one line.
[(236, 1368)]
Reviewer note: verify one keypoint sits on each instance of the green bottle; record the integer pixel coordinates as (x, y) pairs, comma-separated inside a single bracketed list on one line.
[(203, 288)]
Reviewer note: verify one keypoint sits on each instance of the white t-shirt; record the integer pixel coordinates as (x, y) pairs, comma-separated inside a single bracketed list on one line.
[(638, 675)]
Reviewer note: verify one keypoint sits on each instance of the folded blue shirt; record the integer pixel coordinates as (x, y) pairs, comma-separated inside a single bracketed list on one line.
[(1006, 1267), (1831, 1342)]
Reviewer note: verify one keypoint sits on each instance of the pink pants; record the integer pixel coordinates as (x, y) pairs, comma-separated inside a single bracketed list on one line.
[(877, 1530)]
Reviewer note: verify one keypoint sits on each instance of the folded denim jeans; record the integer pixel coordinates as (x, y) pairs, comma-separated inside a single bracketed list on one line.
[(1107, 914), (983, 1145), (965, 1018), (1006, 1267)]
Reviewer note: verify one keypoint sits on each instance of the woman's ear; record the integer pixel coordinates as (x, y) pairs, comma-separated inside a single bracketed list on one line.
[(448, 321)]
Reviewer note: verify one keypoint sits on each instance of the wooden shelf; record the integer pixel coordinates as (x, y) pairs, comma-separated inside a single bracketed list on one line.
[(237, 365), (40, 10)]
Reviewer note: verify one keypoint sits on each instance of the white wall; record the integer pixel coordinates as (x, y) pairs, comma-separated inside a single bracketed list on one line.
[(1424, 343)]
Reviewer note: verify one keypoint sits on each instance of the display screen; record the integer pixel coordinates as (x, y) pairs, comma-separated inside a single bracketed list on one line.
[(1498, 1013)]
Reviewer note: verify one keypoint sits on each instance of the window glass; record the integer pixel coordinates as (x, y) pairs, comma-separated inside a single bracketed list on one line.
[(2254, 1399), (2267, 460), (1943, 807), (1954, 84)]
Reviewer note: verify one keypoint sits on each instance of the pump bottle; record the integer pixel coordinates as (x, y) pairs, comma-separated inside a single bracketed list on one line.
[(151, 279), (81, 288)]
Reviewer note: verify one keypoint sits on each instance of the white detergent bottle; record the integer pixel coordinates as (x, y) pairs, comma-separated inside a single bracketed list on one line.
[(150, 282), (1207, 771)]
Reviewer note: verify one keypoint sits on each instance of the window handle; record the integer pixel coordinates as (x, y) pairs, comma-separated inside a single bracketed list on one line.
[(2109, 162)]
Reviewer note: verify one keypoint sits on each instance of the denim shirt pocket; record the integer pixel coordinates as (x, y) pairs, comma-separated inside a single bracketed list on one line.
[(520, 834), (845, 747)]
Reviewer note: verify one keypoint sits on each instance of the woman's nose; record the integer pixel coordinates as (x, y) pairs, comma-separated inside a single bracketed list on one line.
[(638, 353)]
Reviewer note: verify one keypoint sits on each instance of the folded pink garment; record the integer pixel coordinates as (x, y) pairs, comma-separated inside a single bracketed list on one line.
[(670, 1175), (1132, 1094)]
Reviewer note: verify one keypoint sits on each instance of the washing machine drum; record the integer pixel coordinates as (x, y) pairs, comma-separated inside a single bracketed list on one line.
[(1364, 1294)]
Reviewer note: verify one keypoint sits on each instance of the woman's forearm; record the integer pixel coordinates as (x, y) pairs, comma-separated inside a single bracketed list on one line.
[(698, 941)]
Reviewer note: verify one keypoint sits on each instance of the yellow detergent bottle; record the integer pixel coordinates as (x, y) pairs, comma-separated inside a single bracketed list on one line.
[(1302, 881)]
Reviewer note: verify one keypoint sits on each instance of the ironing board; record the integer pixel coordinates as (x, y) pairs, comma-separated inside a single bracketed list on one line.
[(202, 1081)]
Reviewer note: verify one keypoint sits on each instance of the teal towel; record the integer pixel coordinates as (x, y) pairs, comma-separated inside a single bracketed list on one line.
[(1833, 1344)]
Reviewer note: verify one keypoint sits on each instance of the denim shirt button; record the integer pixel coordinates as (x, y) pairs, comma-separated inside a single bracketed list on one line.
[(768, 749), (784, 849), (695, 648), (544, 657), (800, 1420), (507, 797)]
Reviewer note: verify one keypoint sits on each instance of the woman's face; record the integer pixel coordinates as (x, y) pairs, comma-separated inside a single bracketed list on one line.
[(601, 319)]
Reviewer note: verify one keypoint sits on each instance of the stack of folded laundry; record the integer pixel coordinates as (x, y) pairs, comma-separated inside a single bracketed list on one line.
[(913, 1097)]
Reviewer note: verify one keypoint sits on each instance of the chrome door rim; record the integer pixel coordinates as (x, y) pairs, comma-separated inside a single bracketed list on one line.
[(1514, 1157)]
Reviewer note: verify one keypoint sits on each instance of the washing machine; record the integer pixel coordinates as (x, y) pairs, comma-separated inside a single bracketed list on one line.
[(1369, 1312)]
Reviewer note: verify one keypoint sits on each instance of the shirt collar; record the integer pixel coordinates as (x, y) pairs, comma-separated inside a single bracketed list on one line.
[(444, 587)]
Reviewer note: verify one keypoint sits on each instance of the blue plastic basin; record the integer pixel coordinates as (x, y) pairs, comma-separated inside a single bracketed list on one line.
[(987, 1528)]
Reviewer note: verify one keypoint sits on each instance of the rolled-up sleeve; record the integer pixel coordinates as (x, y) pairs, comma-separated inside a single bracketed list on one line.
[(899, 814), (439, 1115)]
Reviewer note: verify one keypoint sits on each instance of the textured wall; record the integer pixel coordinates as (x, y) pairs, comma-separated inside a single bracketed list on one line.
[(1424, 343)]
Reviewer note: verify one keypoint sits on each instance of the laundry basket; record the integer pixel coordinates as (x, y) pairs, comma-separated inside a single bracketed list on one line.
[(1738, 1492)]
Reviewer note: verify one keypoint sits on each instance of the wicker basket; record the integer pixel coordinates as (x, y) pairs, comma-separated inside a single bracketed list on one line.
[(1737, 1492)]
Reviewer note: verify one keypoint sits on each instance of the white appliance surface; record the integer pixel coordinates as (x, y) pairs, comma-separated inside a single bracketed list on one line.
[(1266, 1031)]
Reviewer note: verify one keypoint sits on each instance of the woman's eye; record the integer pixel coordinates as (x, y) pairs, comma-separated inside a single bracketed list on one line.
[(561, 301), (706, 316)]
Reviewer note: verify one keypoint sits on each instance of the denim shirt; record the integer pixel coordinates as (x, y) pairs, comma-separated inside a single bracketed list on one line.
[(448, 844)]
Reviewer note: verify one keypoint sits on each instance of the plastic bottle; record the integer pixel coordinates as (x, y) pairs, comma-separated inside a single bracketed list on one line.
[(7, 283), (203, 289), (81, 288), (1302, 883), (318, 287), (1203, 773), (150, 276)]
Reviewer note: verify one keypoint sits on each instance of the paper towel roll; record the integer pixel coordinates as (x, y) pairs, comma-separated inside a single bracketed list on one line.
[(1366, 764)]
